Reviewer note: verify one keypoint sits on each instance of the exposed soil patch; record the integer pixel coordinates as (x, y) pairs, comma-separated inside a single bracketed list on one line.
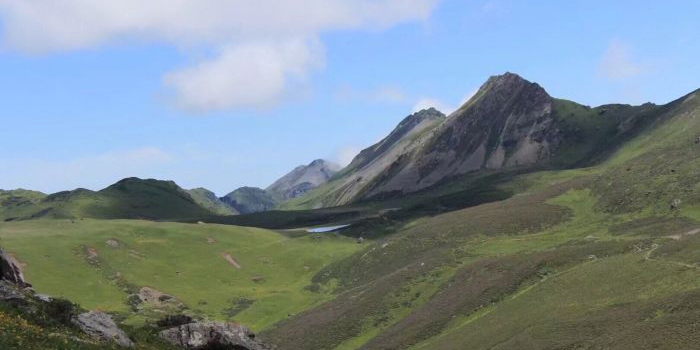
[(91, 255), (210, 240), (681, 235), (231, 260)]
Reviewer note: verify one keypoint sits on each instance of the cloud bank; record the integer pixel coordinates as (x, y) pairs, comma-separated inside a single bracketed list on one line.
[(262, 49)]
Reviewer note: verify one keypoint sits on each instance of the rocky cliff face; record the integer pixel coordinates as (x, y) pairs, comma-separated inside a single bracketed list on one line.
[(302, 179), (507, 124), (10, 270), (376, 162)]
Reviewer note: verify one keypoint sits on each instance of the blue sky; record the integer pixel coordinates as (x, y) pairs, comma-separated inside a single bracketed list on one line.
[(222, 94)]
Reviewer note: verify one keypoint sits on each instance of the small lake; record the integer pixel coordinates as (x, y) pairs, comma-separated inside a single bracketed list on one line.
[(326, 228)]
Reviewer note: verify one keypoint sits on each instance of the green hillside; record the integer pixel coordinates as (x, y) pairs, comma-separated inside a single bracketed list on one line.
[(208, 200), (130, 198), (596, 258), (250, 275), (247, 200), (602, 254)]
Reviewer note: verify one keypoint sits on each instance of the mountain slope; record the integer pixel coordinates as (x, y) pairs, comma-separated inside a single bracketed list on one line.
[(207, 199), (603, 257), (130, 198), (248, 200), (510, 123), (373, 162), (302, 179)]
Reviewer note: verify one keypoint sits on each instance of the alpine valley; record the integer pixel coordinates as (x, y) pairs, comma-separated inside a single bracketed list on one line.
[(519, 221)]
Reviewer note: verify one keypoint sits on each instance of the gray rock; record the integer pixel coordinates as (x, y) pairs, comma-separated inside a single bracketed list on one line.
[(10, 270), (43, 297), (202, 335), (100, 325), (10, 293)]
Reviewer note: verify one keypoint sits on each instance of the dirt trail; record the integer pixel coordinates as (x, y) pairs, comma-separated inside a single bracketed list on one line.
[(681, 235), (231, 261)]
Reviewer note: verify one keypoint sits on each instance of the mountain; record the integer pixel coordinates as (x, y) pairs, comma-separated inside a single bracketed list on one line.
[(302, 179), (600, 255), (510, 123), (592, 243), (248, 200), (207, 199), (130, 198), (373, 162)]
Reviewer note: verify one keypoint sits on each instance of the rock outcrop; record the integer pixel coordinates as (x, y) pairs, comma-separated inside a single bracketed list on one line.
[(10, 270), (100, 325), (205, 335)]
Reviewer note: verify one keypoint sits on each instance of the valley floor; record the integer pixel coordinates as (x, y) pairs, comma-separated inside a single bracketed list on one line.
[(252, 275)]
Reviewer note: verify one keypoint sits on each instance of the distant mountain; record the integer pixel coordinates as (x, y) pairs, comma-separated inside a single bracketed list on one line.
[(247, 200), (510, 123), (130, 198), (302, 179), (374, 162), (207, 199)]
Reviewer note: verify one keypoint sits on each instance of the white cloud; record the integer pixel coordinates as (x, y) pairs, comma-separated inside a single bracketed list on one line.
[(345, 154), (255, 74), (264, 47), (617, 62)]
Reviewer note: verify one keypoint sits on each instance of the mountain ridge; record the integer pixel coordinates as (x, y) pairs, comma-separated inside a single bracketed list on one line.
[(510, 123)]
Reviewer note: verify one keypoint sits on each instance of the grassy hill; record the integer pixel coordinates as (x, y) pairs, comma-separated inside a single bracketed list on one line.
[(131, 198), (207, 199)]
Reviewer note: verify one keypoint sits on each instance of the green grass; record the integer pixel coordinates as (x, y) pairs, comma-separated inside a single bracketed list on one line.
[(130, 198), (586, 258), (178, 260)]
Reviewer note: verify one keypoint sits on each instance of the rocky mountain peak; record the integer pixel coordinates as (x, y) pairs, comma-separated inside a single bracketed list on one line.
[(508, 91), (416, 118), (318, 162)]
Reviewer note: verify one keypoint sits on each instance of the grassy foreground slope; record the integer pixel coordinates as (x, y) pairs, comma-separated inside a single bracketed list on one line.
[(253, 276), (597, 258)]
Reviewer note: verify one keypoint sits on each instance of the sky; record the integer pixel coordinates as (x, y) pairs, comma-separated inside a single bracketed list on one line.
[(226, 93)]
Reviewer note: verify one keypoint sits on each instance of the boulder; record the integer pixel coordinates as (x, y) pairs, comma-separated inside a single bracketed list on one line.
[(218, 335), (10, 270), (100, 325), (10, 293)]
